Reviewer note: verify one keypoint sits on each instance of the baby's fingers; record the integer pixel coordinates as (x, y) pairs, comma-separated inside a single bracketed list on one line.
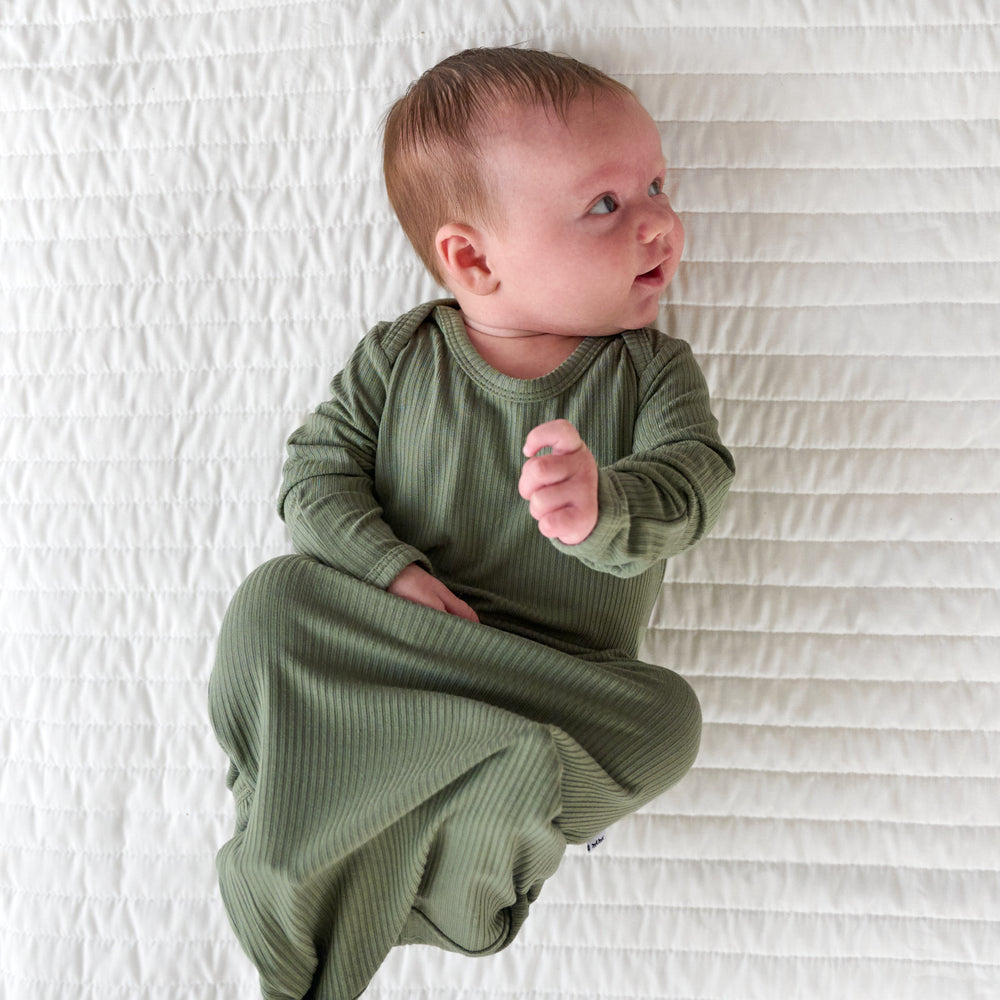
[(456, 606), (567, 509), (547, 499), (569, 524), (559, 435)]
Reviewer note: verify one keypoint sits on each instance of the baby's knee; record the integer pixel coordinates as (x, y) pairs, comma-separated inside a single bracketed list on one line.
[(261, 598), (257, 614), (688, 725), (679, 736)]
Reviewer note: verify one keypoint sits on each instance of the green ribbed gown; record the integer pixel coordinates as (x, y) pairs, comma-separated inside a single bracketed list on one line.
[(402, 775)]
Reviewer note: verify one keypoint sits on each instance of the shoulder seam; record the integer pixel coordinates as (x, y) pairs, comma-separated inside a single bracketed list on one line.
[(393, 336)]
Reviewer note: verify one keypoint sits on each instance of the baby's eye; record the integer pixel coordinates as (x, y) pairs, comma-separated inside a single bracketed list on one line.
[(656, 188), (605, 206)]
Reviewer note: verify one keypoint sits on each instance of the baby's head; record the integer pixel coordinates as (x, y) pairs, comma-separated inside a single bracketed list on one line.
[(532, 187), (433, 134)]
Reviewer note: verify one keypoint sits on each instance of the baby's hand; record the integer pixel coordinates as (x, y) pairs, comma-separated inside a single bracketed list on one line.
[(561, 487), (415, 584)]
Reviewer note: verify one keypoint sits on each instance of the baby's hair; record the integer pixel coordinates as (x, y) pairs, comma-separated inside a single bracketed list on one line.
[(432, 134)]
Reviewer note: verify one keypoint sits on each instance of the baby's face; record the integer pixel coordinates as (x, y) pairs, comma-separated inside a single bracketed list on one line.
[(588, 240)]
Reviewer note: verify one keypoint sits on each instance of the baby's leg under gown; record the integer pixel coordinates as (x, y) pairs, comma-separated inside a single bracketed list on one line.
[(402, 775)]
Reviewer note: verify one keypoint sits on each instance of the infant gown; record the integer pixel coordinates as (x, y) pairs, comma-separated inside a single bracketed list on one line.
[(402, 775)]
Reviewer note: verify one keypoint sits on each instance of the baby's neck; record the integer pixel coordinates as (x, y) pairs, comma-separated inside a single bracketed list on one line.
[(519, 353)]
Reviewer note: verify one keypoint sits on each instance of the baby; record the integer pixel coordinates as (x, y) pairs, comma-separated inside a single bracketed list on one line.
[(441, 690)]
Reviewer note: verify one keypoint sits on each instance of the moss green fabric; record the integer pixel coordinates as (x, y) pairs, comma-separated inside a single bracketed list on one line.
[(402, 775)]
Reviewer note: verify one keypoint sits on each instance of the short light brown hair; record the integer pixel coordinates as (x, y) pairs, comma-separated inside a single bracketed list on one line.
[(432, 134)]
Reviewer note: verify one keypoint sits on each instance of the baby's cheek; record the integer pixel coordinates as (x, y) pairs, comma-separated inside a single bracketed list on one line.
[(677, 235)]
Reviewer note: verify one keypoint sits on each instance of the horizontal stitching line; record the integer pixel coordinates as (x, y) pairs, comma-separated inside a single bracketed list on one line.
[(264, 411), (901, 494), (188, 233), (689, 585), (144, 460), (866, 75), (952, 119), (790, 912), (698, 629), (224, 814), (221, 144), (856, 400), (354, 180), (818, 727), (846, 262), (143, 502), (168, 16), (126, 637), (774, 632), (207, 324), (131, 589), (88, 853), (67, 415), (384, 220), (51, 765), (872, 168), (129, 636), (839, 958), (139, 548), (235, 368), (802, 75), (855, 493), (109, 940), (194, 99), (915, 449), (83, 679), (747, 307), (837, 821), (489, 32), (852, 682), (708, 352), (852, 774), (290, 276), (163, 987), (293, 277), (112, 898), (344, 181), (669, 27), (655, 818), (108, 724), (345, 135)]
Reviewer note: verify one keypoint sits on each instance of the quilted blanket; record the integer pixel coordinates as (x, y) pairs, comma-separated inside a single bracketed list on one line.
[(193, 237)]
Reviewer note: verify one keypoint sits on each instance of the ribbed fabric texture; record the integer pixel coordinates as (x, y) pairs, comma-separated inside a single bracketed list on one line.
[(402, 775), (421, 434)]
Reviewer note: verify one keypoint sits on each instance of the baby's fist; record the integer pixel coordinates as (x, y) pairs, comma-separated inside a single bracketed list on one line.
[(561, 487)]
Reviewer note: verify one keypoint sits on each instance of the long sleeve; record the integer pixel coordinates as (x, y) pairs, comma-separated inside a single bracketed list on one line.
[(659, 500), (327, 497), (416, 456)]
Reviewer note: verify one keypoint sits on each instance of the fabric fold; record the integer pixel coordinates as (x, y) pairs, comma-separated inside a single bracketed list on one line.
[(405, 776)]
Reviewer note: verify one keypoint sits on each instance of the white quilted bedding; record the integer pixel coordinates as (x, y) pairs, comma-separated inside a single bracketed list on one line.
[(193, 235)]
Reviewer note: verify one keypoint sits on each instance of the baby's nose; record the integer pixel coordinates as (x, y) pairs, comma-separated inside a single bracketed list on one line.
[(657, 221)]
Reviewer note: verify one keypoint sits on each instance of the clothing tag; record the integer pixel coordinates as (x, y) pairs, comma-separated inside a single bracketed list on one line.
[(592, 845)]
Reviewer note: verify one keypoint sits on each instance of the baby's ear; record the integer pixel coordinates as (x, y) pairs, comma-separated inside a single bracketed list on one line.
[(462, 255)]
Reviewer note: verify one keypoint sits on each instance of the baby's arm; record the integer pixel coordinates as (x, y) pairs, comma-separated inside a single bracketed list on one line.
[(650, 504), (328, 498)]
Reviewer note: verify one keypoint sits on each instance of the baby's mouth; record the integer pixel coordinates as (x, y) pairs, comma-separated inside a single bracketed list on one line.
[(651, 277)]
